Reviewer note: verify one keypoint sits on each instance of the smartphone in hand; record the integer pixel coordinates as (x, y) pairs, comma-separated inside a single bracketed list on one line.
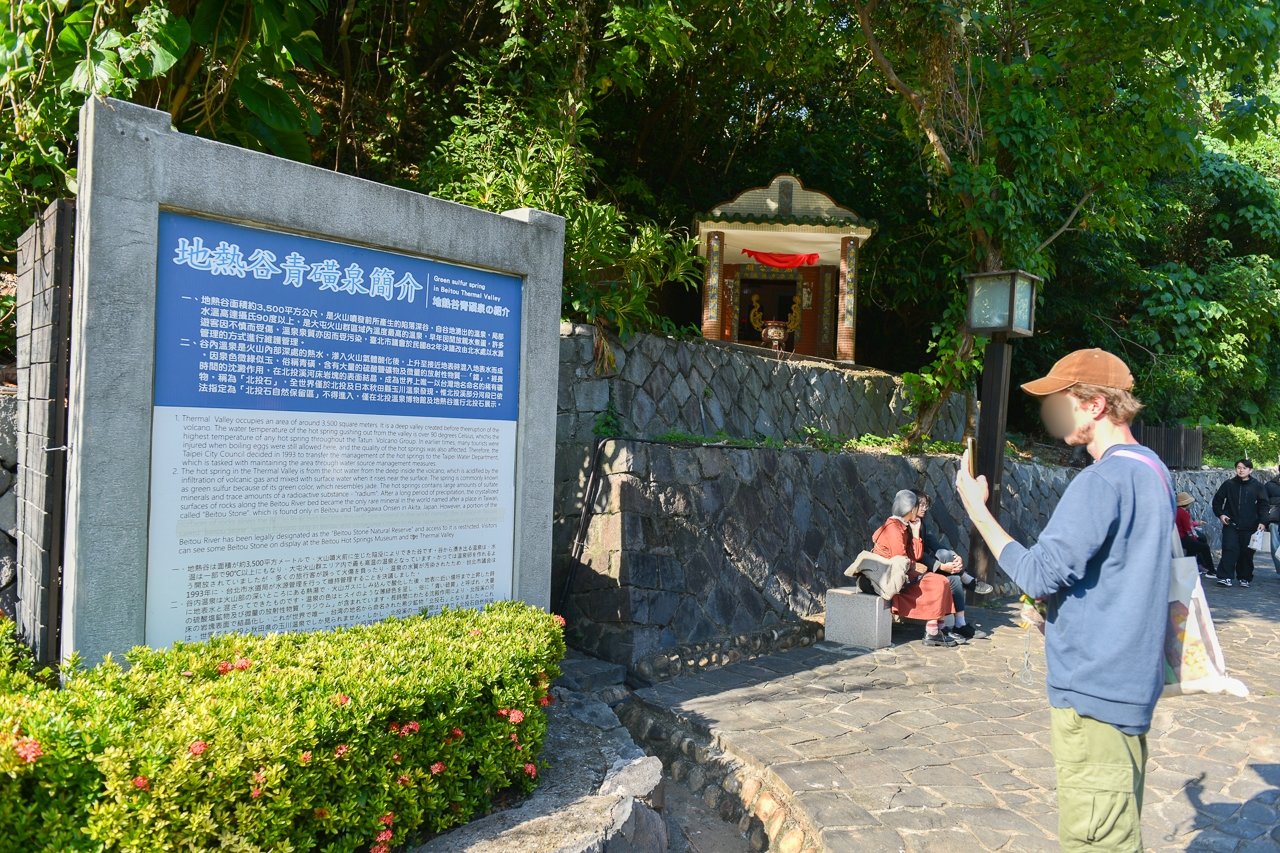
[(971, 448)]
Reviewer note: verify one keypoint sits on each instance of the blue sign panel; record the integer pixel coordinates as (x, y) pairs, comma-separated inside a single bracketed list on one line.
[(255, 319)]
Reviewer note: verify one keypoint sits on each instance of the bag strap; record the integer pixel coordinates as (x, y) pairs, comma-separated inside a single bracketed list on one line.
[(1176, 541)]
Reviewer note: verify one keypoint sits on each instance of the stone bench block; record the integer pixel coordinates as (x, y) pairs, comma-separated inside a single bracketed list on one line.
[(858, 619)]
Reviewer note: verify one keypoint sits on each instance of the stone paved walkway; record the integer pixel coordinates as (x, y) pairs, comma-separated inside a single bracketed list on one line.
[(914, 749)]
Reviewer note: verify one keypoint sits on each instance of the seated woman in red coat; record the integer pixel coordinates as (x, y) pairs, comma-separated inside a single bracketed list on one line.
[(927, 595)]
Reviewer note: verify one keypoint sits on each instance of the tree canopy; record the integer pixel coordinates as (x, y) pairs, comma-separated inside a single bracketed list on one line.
[(1125, 150)]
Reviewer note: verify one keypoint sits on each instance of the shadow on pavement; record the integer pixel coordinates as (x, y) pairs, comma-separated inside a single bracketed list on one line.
[(1249, 826)]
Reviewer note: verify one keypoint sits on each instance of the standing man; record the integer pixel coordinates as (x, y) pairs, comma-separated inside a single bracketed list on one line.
[(1102, 564), (1241, 506), (1273, 517)]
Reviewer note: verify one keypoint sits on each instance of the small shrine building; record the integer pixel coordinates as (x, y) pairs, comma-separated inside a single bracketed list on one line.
[(783, 253)]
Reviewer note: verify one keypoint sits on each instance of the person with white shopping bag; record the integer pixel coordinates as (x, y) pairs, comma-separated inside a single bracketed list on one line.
[(1103, 565), (1241, 505)]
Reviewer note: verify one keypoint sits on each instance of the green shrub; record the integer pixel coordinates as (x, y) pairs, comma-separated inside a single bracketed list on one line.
[(1224, 444), (336, 741)]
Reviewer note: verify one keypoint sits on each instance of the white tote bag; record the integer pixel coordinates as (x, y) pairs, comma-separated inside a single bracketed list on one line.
[(1192, 656), (1260, 540)]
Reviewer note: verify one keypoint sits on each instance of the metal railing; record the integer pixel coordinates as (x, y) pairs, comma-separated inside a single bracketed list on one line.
[(1177, 446)]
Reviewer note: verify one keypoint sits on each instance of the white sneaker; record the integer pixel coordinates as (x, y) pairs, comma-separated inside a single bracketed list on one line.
[(1244, 584), (1225, 582)]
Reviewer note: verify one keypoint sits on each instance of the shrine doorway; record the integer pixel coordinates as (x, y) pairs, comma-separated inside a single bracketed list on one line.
[(776, 299)]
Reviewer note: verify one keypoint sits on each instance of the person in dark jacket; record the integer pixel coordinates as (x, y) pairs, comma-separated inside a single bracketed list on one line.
[(1273, 498), (941, 559), (1241, 506)]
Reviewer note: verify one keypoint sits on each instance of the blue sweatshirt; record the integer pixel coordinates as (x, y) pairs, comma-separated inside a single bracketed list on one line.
[(1103, 563)]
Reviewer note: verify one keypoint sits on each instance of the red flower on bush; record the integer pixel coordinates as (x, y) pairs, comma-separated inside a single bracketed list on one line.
[(28, 749), (385, 835), (197, 747), (306, 757), (544, 701), (395, 756), (516, 716), (437, 768), (515, 736), (387, 818), (404, 780), (224, 667), (342, 750), (457, 732), (409, 728), (259, 777), (342, 699), (559, 619), (379, 848), (243, 663), (476, 633), (142, 783), (255, 793), (531, 770), (395, 727), (321, 814)]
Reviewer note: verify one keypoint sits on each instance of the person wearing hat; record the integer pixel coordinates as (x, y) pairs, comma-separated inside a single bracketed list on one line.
[(1102, 564), (1241, 505), (1192, 546)]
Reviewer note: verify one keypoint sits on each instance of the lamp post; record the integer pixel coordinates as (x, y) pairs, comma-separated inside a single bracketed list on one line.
[(1002, 305)]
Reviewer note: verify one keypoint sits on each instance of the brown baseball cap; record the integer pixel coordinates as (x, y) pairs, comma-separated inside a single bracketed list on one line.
[(1083, 367)]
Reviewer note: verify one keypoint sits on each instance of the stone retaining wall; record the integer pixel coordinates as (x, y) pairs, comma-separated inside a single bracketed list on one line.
[(8, 505), (695, 548)]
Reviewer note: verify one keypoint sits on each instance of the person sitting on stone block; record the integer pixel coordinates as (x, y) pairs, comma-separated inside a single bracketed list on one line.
[(947, 563), (1192, 545), (927, 595)]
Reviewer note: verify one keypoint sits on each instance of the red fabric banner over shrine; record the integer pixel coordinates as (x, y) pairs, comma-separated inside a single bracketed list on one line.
[(782, 262)]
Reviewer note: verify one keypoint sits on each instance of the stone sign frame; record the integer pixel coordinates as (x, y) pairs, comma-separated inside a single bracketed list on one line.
[(132, 164)]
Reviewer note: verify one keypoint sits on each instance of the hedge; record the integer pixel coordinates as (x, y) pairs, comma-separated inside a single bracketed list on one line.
[(335, 741), (1224, 444)]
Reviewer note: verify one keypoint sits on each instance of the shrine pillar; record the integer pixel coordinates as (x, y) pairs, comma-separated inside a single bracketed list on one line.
[(712, 322), (847, 301)]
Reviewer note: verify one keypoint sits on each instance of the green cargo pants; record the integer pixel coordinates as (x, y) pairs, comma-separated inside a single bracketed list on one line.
[(1101, 772)]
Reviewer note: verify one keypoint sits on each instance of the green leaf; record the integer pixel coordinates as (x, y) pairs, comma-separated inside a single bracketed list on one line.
[(97, 75), (168, 44), (76, 27), (271, 104)]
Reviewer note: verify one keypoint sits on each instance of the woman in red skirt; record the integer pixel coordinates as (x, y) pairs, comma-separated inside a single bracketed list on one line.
[(926, 595)]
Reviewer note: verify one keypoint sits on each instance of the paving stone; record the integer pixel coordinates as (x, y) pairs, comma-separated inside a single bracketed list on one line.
[(834, 810), (810, 776), (871, 840)]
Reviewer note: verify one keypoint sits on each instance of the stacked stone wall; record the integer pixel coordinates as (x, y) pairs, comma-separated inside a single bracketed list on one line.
[(696, 548), (8, 505)]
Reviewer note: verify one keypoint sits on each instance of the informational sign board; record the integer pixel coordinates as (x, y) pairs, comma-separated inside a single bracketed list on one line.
[(333, 437), (297, 399)]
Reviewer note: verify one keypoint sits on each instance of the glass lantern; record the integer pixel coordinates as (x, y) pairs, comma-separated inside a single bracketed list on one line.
[(1003, 301)]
